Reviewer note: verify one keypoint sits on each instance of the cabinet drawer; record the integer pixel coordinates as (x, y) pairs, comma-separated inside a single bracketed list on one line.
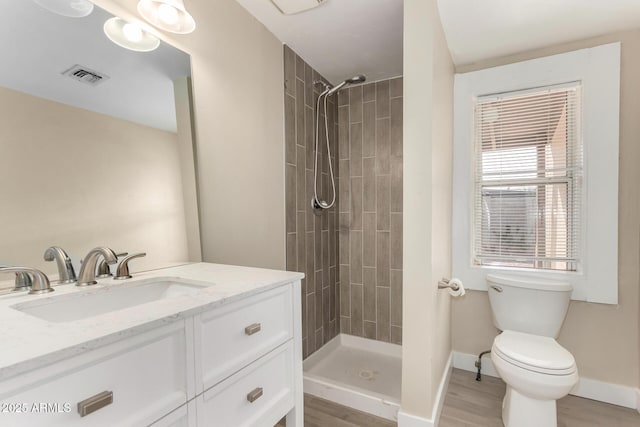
[(235, 335), (146, 374), (258, 395)]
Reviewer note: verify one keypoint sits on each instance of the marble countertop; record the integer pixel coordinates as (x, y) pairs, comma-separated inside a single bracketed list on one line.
[(28, 342)]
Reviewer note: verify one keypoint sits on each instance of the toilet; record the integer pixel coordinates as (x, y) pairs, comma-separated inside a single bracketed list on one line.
[(537, 370)]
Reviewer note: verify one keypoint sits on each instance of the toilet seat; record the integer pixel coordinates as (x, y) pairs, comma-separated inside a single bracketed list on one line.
[(534, 353)]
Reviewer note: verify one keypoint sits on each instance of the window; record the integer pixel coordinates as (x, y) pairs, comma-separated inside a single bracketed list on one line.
[(527, 179), (535, 172)]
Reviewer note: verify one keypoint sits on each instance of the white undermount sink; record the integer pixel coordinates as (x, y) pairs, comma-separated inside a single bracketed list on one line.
[(94, 302)]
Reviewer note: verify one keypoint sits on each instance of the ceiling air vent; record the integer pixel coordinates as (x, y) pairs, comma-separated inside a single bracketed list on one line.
[(290, 7), (85, 75)]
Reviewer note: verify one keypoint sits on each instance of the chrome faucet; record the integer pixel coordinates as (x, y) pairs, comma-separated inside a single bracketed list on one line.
[(87, 275), (103, 267), (123, 268), (66, 273), (40, 280)]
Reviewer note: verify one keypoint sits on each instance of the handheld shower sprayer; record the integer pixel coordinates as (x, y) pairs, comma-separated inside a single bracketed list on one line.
[(317, 204)]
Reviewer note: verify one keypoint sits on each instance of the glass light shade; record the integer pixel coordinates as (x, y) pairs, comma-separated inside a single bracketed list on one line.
[(129, 36), (68, 8), (168, 15)]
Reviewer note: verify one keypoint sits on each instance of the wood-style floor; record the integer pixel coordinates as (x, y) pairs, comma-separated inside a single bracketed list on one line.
[(470, 403)]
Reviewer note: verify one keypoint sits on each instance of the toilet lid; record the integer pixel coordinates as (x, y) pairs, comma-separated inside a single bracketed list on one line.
[(535, 353)]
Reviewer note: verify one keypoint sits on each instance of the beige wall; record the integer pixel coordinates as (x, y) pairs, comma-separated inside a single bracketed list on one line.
[(604, 339), (428, 97), (71, 177), (239, 117)]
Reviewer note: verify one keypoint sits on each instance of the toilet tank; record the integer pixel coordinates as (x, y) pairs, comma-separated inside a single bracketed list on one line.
[(526, 304)]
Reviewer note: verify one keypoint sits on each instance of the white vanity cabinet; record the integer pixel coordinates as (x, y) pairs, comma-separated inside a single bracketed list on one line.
[(237, 364), (147, 376)]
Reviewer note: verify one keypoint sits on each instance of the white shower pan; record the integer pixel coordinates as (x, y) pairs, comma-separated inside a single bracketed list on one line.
[(357, 372)]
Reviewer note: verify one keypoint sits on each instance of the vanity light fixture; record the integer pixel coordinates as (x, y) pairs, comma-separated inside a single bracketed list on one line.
[(68, 8), (129, 36), (168, 15)]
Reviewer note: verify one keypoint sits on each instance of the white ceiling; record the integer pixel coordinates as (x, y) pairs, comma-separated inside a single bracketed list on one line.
[(342, 38), (37, 46), (478, 30)]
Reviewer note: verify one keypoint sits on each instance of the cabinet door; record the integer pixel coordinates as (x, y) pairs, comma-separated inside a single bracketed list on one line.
[(230, 337), (184, 416), (134, 382), (259, 395)]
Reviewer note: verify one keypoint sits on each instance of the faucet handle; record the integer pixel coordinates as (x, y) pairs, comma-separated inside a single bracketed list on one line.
[(103, 267), (23, 282), (40, 280), (123, 268), (66, 273)]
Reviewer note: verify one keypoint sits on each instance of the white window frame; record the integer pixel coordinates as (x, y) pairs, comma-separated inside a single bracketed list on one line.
[(598, 70)]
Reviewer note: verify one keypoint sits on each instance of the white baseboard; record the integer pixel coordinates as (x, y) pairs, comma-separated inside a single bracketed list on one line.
[(615, 394), (409, 420)]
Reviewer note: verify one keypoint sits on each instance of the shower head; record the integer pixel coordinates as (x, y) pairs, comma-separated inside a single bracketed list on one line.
[(352, 81), (356, 79)]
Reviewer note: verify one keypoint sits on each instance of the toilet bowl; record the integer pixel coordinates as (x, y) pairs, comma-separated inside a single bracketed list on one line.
[(537, 370)]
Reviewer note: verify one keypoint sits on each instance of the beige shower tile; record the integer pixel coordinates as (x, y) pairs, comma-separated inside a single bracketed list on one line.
[(396, 335), (395, 241), (382, 99), (383, 147), (369, 129), (343, 97), (290, 198), (355, 104), (395, 316), (300, 107), (308, 85), (369, 92), (289, 71), (369, 184), (382, 258), (355, 154), (299, 68), (301, 188), (383, 202), (369, 239), (290, 129), (355, 238), (369, 286), (301, 245), (395, 132), (356, 309), (370, 330), (396, 184), (383, 332), (292, 257), (356, 203), (345, 325), (395, 87)]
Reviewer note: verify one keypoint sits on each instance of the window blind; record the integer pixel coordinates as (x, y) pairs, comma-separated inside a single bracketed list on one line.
[(528, 178)]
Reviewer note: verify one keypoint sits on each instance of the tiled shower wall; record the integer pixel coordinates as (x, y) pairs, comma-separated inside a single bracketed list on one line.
[(312, 241), (370, 212)]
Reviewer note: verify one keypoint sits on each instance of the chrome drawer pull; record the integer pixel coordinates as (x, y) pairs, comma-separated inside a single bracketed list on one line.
[(252, 329), (254, 395), (94, 403)]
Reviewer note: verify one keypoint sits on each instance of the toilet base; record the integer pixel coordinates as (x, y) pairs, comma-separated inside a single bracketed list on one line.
[(519, 410)]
